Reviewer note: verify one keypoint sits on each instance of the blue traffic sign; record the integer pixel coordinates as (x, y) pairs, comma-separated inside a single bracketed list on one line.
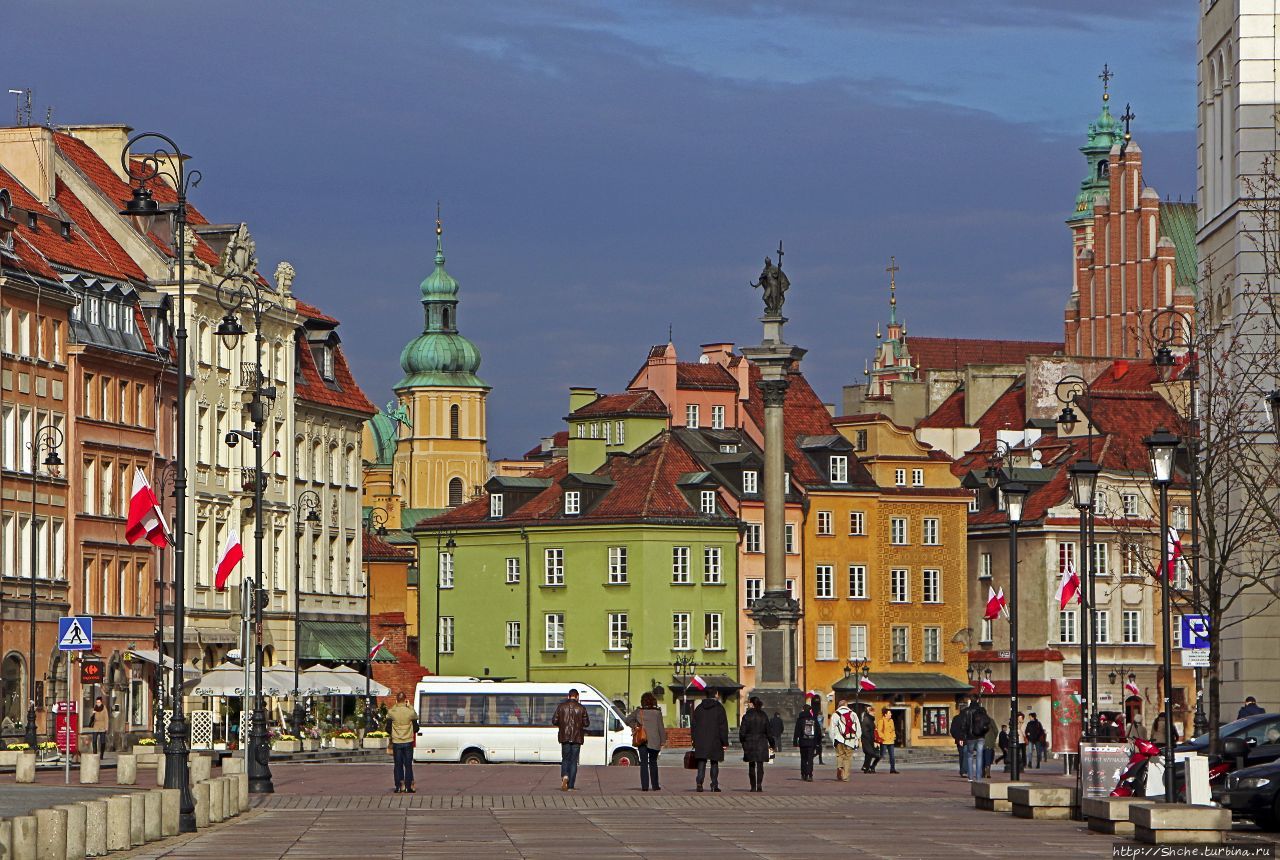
[(1195, 631), (75, 633)]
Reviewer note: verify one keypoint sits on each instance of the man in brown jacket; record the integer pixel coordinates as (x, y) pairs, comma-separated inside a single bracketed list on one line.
[(572, 720), (402, 719)]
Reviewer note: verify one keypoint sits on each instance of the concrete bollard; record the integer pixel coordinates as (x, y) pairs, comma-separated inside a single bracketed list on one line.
[(233, 793), (90, 764), (160, 771), (51, 834), (242, 782), (6, 837), (118, 810), (170, 801), (217, 801), (232, 765), (26, 767), (201, 792), (126, 769), (24, 836), (77, 820), (95, 828), (137, 813), (151, 813), (201, 766)]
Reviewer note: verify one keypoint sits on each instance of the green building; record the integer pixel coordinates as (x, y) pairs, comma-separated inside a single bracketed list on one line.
[(605, 567)]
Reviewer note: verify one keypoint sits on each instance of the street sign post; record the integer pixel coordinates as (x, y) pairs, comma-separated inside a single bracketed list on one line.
[(1195, 641), (75, 633)]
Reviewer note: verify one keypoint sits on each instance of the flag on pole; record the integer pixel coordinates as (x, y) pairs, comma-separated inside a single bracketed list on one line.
[(377, 648), (867, 684), (231, 555), (1068, 586), (988, 685), (1132, 689), (145, 518), (993, 605), (697, 682), (1173, 552)]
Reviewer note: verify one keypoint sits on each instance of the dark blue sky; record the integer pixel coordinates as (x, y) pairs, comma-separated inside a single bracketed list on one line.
[(609, 168)]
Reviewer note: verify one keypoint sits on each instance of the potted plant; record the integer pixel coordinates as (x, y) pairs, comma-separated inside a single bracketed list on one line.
[(376, 740), (343, 739), (9, 755), (310, 738), (283, 742), (46, 749), (145, 748)]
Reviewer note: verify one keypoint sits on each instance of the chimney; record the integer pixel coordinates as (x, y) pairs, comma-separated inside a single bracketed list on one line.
[(717, 353), (548, 442), (106, 140), (585, 455), (27, 152), (580, 396)]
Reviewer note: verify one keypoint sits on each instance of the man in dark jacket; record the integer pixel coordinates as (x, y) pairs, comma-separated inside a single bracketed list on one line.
[(572, 721), (776, 728), (808, 736), (1249, 709), (710, 729), (976, 726), (1036, 742), (959, 729)]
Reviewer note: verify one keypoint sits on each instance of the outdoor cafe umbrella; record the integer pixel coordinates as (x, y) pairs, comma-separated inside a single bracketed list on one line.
[(319, 681), (354, 682)]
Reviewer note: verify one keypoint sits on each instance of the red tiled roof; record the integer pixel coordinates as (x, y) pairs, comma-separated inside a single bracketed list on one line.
[(954, 353), (559, 440), (94, 249), (375, 548), (312, 312), (704, 377), (949, 414), (341, 392), (627, 403)]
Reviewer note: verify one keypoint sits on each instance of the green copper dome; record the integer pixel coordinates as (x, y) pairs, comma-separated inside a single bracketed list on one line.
[(383, 429), (1104, 133)]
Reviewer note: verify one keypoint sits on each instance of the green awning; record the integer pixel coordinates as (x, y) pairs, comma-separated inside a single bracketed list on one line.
[(337, 642), (905, 682)]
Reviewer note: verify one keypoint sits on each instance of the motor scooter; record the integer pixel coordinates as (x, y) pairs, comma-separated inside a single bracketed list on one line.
[(1143, 776)]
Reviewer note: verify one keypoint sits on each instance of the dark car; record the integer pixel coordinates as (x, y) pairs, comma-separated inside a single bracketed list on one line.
[(1260, 732), (1253, 793)]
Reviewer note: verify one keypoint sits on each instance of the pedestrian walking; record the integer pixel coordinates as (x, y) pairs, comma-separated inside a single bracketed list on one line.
[(648, 735), (807, 736), (1004, 745), (870, 749), (1020, 741), (887, 736), (96, 726), (572, 720), (757, 742), (1136, 730), (710, 730), (1249, 708), (989, 754), (976, 724), (846, 731), (776, 728), (815, 705), (402, 725), (1036, 740), (958, 729)]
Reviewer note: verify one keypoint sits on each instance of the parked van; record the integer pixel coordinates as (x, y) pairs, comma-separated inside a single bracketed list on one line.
[(475, 721)]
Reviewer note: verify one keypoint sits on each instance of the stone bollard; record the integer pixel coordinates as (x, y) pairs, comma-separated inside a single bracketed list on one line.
[(90, 764), (126, 769), (77, 821), (95, 828), (24, 836), (233, 795), (6, 837), (118, 810), (151, 813), (242, 783), (170, 801), (160, 771), (201, 792), (26, 767), (137, 816), (217, 800), (51, 834), (232, 765), (201, 766)]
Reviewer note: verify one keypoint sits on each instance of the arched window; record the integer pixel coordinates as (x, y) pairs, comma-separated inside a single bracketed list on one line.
[(455, 491), (444, 319), (455, 422), (1104, 169)]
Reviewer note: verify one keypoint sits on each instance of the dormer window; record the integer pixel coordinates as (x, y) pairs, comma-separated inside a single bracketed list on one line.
[(707, 502), (6, 222), (495, 505), (728, 449), (860, 440), (839, 469), (322, 355), (572, 502), (113, 311), (691, 416), (750, 481), (93, 303)]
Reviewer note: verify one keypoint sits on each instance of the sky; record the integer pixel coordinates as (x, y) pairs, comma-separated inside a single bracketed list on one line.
[(607, 170)]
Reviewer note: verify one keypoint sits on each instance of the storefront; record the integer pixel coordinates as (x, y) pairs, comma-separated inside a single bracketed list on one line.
[(920, 703)]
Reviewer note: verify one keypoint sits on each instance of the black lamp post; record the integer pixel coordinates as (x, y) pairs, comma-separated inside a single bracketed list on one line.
[(446, 543), (49, 439), (237, 293), (306, 512), (861, 670), (629, 640), (684, 666), (164, 480), (377, 525), (1015, 495), (167, 164), (1162, 445)]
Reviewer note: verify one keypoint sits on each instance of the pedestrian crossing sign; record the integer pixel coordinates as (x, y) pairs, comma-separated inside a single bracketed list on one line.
[(75, 633)]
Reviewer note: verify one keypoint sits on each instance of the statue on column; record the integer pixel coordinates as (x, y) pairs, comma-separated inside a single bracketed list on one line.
[(775, 283)]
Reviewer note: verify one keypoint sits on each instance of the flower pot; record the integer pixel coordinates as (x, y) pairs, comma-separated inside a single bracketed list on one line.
[(310, 744), (9, 758), (286, 746), (375, 743), (145, 750), (344, 743)]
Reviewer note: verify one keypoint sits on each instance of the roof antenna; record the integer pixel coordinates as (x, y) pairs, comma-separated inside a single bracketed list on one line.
[(22, 113)]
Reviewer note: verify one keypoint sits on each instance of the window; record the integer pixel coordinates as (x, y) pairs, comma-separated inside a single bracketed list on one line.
[(1180, 517), (1182, 574), (717, 417), (712, 631), (917, 477), (985, 632), (619, 432), (572, 502), (857, 582), (857, 641), (691, 416), (900, 477), (554, 628), (755, 589), (1132, 558), (617, 565), (932, 645), (680, 631), (1129, 504), (455, 489), (824, 585), (1102, 625), (513, 634), (446, 634), (582, 431), (839, 469), (931, 586), (899, 589), (898, 531), (900, 644), (826, 642), (749, 651), (553, 567), (680, 565), (857, 523), (1175, 638), (608, 434), (707, 502), (860, 440), (24, 333), (751, 538), (446, 570), (618, 631), (1131, 626), (108, 507), (1067, 631), (984, 565), (750, 482), (1101, 567), (711, 567), (495, 505), (790, 532), (595, 430), (973, 501), (824, 523), (1066, 557), (513, 571), (90, 494), (930, 531), (455, 422)]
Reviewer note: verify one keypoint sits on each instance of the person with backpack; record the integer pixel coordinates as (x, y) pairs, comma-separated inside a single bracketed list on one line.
[(807, 736), (870, 750), (989, 754), (1036, 737), (846, 730), (979, 723)]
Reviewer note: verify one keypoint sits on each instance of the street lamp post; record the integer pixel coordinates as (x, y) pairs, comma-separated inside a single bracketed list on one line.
[(449, 545), (861, 670), (49, 439), (167, 164), (1162, 446), (237, 292), (1124, 676), (628, 638), (164, 480), (1015, 495), (306, 512), (684, 666), (377, 525)]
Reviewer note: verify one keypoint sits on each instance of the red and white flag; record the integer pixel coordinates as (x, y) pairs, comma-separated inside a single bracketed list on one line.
[(697, 682), (231, 555), (145, 518), (1068, 586), (988, 685), (1173, 552), (867, 684), (995, 603), (1132, 689), (377, 648)]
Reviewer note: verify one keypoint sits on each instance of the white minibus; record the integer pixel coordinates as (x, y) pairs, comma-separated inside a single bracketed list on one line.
[(469, 720)]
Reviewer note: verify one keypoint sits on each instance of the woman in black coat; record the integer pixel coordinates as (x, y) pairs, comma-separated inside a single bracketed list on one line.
[(870, 749), (710, 729), (757, 742)]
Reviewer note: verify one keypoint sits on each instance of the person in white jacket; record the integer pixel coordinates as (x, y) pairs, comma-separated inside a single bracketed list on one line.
[(846, 731)]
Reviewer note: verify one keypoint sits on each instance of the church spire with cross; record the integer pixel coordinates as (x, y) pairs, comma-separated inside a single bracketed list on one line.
[(1104, 133), (892, 362)]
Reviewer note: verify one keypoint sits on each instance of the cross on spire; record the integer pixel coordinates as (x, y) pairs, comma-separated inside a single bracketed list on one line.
[(779, 253), (893, 270), (1129, 116), (1106, 77)]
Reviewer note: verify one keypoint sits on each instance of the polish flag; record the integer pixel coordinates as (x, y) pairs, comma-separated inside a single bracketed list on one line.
[(697, 682), (377, 648), (867, 684), (1173, 551), (1068, 586), (988, 685), (231, 555), (145, 517), (995, 603), (1132, 689)]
